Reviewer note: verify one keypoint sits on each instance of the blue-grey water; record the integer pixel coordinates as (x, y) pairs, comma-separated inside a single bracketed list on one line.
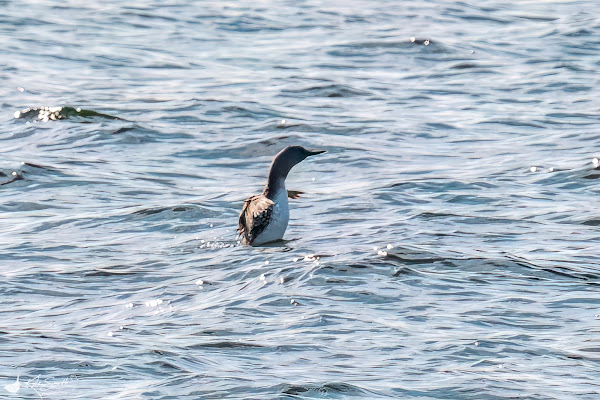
[(447, 245)]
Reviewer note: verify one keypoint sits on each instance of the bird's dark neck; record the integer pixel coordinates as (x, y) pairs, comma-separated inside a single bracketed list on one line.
[(279, 170), (276, 182), (274, 185)]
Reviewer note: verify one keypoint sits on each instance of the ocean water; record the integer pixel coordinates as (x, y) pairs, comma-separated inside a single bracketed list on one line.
[(447, 245)]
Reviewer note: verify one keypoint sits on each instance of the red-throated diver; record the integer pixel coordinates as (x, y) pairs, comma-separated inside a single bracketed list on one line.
[(264, 217)]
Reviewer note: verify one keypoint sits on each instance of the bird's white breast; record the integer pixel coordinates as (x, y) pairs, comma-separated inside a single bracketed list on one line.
[(278, 223)]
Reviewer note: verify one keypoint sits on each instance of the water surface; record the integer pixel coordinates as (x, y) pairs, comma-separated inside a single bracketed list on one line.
[(446, 247)]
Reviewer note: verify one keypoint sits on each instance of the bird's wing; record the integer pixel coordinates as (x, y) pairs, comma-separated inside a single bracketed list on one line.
[(254, 217), (294, 194)]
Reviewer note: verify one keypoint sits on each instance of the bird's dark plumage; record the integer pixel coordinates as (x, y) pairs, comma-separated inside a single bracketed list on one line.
[(254, 218)]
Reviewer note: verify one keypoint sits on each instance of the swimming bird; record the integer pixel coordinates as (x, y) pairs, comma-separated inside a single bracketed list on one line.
[(264, 217)]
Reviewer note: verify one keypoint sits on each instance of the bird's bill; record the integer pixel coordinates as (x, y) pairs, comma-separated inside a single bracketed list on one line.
[(313, 153)]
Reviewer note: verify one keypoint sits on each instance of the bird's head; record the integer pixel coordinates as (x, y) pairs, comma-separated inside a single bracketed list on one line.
[(285, 160)]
